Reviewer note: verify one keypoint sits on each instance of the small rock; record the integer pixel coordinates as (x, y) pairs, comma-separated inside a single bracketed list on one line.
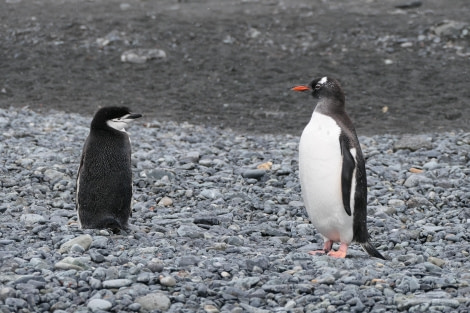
[(53, 175), (117, 283), (32, 219), (211, 194), (154, 301), (326, 279), (6, 292), (191, 157), (188, 260), (228, 40), (140, 56), (409, 5), (451, 29), (430, 267), (436, 261), (417, 201), (167, 281), (191, 231), (165, 201), (16, 303), (416, 170), (124, 6), (252, 33), (70, 263), (99, 305), (413, 142), (83, 241), (155, 267), (416, 180), (396, 203), (253, 173), (209, 308), (135, 307), (96, 257), (265, 166)]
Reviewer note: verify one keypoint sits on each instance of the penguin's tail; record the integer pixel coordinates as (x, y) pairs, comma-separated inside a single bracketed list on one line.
[(371, 250)]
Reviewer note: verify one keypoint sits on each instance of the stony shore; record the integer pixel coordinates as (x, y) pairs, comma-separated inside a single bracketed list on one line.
[(219, 225)]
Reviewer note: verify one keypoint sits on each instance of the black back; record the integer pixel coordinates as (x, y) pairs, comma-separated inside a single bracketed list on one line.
[(105, 175)]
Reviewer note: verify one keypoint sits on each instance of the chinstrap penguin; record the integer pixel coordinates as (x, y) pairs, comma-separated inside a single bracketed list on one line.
[(104, 182), (332, 172)]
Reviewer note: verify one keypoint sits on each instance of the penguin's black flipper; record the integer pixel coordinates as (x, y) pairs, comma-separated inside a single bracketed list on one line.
[(347, 172), (371, 250)]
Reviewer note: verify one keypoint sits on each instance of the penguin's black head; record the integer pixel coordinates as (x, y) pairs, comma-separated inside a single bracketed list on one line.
[(113, 117), (324, 87)]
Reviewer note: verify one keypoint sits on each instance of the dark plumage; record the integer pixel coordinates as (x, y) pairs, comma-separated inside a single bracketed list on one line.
[(104, 182)]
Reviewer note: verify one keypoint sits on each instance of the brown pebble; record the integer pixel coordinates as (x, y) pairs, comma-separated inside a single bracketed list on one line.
[(416, 170)]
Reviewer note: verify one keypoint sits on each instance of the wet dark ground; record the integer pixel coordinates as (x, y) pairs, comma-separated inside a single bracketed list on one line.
[(230, 63)]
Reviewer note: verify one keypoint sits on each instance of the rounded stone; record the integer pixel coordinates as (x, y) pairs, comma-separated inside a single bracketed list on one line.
[(99, 305)]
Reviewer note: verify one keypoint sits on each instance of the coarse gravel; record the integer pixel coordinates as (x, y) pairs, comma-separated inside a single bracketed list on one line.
[(217, 228)]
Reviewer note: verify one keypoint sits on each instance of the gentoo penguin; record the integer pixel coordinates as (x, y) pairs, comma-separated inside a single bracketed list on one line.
[(104, 182), (332, 172)]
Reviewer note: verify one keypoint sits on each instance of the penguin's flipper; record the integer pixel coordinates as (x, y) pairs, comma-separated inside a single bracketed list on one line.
[(347, 172), (371, 250)]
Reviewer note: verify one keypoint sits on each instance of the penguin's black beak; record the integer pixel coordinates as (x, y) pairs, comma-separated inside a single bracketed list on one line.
[(300, 88), (133, 116)]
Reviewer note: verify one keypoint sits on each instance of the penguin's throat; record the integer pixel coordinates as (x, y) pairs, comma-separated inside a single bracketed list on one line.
[(117, 125)]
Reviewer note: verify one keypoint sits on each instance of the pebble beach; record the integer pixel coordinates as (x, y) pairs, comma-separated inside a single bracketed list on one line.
[(218, 224)]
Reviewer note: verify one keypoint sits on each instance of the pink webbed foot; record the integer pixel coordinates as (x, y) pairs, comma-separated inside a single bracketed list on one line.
[(341, 253), (316, 252), (326, 248)]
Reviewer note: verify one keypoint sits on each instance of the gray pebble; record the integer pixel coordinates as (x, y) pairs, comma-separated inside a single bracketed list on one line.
[(227, 242), (96, 305), (154, 301), (116, 283)]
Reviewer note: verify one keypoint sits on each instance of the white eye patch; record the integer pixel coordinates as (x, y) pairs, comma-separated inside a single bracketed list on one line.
[(120, 122), (323, 80)]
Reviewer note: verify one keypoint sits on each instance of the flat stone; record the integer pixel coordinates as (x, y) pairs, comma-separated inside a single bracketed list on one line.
[(413, 142), (191, 231), (53, 175), (154, 301), (416, 179), (83, 241), (209, 308), (70, 263), (32, 219), (436, 261), (117, 283), (140, 56), (254, 173), (99, 305), (211, 194), (191, 157)]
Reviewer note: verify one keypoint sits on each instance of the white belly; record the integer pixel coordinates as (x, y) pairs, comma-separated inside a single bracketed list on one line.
[(320, 164)]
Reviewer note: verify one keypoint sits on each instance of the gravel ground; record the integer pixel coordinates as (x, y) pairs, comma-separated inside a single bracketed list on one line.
[(211, 232)]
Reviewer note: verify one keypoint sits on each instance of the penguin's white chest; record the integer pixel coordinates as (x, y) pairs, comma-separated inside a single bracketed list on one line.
[(320, 165)]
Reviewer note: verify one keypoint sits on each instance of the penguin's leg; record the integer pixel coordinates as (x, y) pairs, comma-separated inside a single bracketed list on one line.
[(341, 253), (326, 248)]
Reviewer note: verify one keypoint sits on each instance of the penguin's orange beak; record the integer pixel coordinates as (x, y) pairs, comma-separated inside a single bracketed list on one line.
[(300, 88)]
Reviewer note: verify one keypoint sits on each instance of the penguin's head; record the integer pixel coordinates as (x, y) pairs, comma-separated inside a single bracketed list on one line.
[(323, 87), (113, 117)]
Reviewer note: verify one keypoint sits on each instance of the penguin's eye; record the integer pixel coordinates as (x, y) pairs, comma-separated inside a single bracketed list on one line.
[(317, 86)]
